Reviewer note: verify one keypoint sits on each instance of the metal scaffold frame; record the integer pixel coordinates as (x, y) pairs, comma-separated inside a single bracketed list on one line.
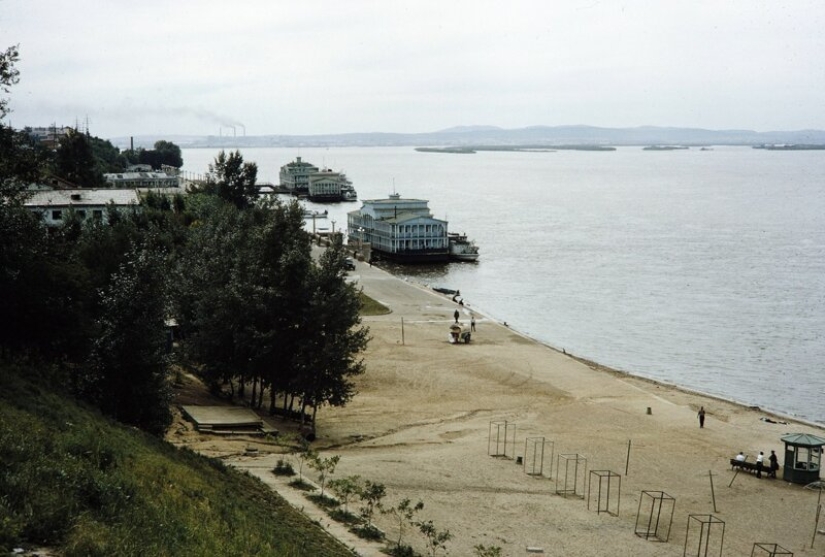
[(769, 550), (502, 439), (579, 470), (534, 456), (611, 479), (654, 527), (707, 524)]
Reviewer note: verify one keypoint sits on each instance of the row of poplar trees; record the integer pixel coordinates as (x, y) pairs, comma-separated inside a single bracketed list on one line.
[(258, 312)]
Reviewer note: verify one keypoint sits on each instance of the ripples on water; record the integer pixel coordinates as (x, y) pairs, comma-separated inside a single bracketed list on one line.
[(701, 268)]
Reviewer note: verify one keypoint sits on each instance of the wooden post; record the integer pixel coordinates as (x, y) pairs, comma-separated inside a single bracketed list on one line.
[(402, 331), (712, 493), (627, 462), (816, 525)]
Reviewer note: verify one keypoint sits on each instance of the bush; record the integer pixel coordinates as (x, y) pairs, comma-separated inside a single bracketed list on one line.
[(324, 501), (403, 551), (344, 517), (283, 468), (368, 532), (303, 485)]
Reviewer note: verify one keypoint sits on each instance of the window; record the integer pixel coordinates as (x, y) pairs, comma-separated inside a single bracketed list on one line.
[(97, 214), (57, 214), (81, 213)]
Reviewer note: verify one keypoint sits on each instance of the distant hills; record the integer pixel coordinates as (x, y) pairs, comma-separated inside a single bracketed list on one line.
[(546, 136)]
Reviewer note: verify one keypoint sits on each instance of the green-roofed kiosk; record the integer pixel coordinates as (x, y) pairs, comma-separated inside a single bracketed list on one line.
[(803, 455)]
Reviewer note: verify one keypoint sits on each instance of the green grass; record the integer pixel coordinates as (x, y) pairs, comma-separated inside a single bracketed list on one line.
[(85, 485), (370, 306)]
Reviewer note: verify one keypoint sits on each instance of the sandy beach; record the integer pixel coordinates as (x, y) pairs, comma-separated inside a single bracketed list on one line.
[(430, 421)]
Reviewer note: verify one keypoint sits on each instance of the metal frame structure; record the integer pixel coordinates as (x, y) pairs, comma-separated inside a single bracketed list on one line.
[(707, 523), (534, 453), (769, 550), (658, 501), (503, 439), (605, 476), (576, 460)]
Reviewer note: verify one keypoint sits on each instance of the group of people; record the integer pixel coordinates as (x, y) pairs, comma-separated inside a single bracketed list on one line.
[(456, 314), (773, 463)]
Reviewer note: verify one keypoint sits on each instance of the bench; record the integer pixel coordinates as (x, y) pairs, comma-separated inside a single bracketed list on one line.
[(749, 466)]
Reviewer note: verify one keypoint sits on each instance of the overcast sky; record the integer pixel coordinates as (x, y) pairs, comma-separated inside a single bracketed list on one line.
[(335, 66)]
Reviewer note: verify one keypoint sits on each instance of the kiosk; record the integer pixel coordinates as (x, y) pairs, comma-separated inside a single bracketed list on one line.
[(803, 456)]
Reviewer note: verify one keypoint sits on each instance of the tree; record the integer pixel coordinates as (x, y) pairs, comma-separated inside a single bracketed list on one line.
[(21, 158), (233, 179), (345, 488), (325, 468), (168, 154), (9, 75), (371, 494), (108, 158), (75, 161), (127, 375), (436, 539), (333, 338), (404, 512)]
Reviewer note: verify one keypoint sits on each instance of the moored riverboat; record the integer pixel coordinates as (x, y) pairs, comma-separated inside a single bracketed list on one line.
[(462, 249)]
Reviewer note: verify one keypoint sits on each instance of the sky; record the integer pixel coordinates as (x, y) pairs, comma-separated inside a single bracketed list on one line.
[(259, 67)]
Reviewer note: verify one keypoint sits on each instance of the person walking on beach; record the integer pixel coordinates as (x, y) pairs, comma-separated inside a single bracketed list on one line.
[(774, 465), (759, 460), (701, 416), (456, 314), (473, 323)]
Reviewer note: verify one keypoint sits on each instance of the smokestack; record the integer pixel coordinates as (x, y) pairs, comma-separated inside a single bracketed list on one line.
[(131, 143)]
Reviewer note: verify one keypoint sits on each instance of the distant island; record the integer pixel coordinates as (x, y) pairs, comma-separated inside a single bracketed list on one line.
[(453, 150), (800, 147), (664, 147), (514, 148)]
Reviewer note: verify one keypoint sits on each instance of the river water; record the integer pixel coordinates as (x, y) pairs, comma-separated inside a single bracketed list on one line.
[(704, 269)]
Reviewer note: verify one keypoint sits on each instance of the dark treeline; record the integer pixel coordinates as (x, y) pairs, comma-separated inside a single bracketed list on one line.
[(92, 301)]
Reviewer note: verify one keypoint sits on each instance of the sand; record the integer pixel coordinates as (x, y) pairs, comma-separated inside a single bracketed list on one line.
[(430, 420)]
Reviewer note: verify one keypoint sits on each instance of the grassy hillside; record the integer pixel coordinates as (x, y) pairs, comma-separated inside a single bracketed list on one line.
[(88, 486)]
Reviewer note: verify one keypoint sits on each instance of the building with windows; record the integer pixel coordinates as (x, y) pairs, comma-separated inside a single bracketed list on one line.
[(399, 229), (142, 179), (325, 186), (295, 176), (57, 206)]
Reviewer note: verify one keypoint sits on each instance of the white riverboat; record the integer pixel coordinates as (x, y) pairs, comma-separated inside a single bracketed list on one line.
[(461, 248), (304, 179), (405, 230)]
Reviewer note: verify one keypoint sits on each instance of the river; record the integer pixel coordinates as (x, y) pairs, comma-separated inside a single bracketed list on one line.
[(700, 268)]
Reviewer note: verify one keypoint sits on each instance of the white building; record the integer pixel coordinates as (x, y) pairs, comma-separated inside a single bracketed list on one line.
[(399, 229), (325, 186), (142, 180), (295, 175), (56, 206)]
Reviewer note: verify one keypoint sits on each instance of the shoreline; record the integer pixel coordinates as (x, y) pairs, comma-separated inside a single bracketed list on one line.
[(614, 371), (424, 425), (427, 422)]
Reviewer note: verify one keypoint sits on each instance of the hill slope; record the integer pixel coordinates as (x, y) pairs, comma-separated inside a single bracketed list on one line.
[(87, 486)]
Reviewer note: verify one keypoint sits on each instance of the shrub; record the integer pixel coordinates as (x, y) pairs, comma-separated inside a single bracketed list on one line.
[(368, 532), (303, 485), (283, 468)]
